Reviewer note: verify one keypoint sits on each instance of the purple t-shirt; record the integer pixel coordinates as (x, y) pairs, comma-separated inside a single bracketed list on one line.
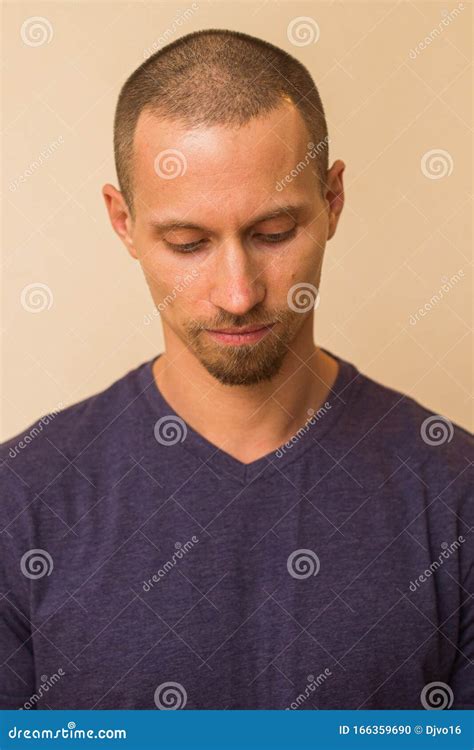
[(141, 567)]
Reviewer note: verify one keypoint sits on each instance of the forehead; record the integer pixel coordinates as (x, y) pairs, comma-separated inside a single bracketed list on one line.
[(181, 166)]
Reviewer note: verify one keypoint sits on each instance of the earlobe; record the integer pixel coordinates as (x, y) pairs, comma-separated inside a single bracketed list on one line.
[(126, 237), (331, 224), (132, 251), (128, 234), (335, 196)]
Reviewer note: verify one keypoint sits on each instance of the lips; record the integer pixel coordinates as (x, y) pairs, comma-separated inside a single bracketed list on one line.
[(240, 331), (238, 336)]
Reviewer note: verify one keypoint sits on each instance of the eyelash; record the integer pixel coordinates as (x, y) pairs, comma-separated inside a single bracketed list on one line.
[(189, 247)]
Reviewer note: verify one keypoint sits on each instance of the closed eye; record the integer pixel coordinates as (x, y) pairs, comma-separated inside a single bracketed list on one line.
[(279, 237), (190, 247)]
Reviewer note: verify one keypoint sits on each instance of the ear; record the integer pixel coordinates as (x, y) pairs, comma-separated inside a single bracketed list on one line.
[(120, 218), (335, 195)]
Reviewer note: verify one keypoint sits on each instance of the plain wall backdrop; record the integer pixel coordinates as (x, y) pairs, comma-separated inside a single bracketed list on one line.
[(396, 82)]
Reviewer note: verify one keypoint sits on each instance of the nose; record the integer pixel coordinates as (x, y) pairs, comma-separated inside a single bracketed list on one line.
[(237, 280)]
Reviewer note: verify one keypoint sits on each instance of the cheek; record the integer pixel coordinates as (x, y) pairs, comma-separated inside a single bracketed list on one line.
[(158, 279), (300, 263), (307, 262), (159, 270), (183, 292)]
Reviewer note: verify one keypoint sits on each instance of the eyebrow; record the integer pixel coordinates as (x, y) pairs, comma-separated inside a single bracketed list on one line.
[(293, 210)]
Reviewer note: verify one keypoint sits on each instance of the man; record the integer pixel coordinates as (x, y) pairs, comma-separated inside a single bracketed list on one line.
[(246, 521)]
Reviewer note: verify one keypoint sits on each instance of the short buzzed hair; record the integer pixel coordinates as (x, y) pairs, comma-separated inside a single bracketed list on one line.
[(215, 77)]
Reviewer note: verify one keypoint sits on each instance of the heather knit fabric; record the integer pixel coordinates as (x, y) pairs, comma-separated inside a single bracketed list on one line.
[(142, 567)]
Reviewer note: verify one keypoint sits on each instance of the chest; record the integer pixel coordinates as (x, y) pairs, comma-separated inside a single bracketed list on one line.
[(275, 600)]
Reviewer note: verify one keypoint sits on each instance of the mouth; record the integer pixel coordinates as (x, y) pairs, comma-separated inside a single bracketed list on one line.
[(248, 335)]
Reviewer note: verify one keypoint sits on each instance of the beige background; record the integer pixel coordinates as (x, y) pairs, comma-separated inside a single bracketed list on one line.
[(404, 228)]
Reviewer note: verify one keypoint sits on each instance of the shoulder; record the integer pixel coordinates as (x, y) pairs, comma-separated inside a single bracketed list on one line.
[(34, 457), (414, 464), (396, 429)]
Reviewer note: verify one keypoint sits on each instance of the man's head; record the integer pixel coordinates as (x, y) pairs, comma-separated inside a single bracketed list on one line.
[(221, 151)]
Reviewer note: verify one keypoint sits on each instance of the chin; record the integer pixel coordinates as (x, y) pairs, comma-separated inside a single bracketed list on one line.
[(243, 366)]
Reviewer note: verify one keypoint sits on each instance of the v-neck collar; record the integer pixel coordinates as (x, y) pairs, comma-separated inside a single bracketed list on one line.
[(223, 463)]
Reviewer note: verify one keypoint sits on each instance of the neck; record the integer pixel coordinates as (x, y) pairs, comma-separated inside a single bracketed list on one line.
[(247, 421)]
